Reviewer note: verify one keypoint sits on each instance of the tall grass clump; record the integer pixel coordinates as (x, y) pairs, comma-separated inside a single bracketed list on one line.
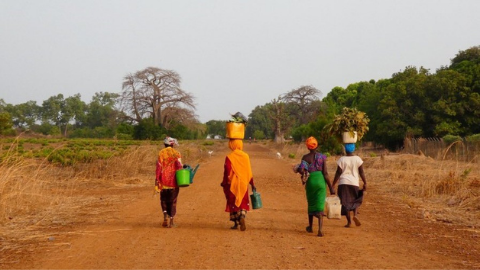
[(22, 185)]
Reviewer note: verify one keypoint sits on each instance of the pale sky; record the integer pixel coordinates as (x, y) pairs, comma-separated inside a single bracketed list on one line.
[(231, 55)]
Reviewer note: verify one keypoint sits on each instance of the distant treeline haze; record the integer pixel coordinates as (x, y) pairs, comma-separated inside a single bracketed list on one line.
[(415, 102)]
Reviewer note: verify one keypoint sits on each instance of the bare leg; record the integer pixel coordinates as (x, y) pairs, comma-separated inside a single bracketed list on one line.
[(235, 226), (320, 225), (349, 221), (310, 223), (355, 218)]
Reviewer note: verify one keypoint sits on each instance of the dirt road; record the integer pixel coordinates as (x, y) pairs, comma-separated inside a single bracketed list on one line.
[(391, 235)]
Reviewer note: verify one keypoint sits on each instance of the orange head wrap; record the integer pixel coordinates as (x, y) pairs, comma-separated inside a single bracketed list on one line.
[(235, 144), (311, 143)]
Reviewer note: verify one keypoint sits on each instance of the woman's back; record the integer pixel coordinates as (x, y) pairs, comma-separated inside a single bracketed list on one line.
[(313, 162), (350, 174)]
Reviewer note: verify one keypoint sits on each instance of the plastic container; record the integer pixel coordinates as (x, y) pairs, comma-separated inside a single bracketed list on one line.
[(333, 207), (235, 130), (347, 137), (256, 200), (183, 177)]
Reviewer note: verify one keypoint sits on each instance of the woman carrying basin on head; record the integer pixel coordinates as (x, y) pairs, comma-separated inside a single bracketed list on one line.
[(349, 170), (236, 178)]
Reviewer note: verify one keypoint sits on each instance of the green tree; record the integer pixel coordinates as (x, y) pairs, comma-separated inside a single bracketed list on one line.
[(61, 112), (216, 127), (25, 115), (6, 123), (148, 130), (258, 134), (399, 107), (101, 110), (259, 120)]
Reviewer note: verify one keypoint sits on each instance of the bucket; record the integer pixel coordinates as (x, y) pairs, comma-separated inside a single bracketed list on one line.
[(183, 177), (347, 137), (235, 130), (256, 200), (333, 207)]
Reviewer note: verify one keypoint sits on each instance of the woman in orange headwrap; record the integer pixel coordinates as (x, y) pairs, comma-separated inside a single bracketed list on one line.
[(314, 176), (236, 177)]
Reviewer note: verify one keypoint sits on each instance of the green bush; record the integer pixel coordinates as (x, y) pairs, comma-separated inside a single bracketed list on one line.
[(449, 139), (475, 138)]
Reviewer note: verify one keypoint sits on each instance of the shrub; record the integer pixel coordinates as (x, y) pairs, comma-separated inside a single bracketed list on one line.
[(474, 138), (449, 139)]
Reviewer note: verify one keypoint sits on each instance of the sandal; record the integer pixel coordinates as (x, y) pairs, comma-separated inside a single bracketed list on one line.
[(309, 229)]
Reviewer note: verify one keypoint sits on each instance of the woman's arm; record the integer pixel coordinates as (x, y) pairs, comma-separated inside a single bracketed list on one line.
[(227, 168), (252, 184), (362, 175), (327, 177), (337, 176)]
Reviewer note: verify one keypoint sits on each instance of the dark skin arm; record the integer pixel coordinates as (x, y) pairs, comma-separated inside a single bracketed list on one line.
[(364, 179), (327, 178), (337, 176)]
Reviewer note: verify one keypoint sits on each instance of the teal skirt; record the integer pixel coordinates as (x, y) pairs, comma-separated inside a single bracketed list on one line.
[(316, 192)]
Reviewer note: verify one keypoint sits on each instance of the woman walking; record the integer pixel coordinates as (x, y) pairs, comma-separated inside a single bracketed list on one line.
[(314, 176), (236, 177), (349, 170), (169, 161)]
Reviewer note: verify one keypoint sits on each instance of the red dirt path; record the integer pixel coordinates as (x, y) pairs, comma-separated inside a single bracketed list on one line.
[(131, 237)]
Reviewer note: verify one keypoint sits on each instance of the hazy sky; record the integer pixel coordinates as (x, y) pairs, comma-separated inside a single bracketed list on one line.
[(231, 55)]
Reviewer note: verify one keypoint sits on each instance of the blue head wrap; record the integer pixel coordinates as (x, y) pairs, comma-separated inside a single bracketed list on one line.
[(349, 147)]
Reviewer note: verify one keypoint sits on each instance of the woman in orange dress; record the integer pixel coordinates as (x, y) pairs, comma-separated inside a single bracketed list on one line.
[(236, 178)]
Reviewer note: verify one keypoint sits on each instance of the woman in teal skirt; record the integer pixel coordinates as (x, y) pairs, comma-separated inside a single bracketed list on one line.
[(314, 176)]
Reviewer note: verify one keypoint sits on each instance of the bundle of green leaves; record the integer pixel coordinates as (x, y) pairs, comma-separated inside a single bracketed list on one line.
[(238, 118)]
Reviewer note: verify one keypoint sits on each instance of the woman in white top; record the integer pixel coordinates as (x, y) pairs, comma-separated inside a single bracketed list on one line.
[(348, 174)]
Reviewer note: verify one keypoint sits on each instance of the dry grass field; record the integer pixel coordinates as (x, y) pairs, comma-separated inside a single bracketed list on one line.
[(38, 197)]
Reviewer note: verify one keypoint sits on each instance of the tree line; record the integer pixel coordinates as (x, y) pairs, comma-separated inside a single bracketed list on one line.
[(150, 105), (414, 102)]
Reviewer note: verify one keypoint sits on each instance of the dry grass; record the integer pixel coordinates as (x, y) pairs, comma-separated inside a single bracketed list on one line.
[(38, 199)]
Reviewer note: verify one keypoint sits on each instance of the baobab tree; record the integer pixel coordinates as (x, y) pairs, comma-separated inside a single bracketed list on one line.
[(149, 92), (304, 103)]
